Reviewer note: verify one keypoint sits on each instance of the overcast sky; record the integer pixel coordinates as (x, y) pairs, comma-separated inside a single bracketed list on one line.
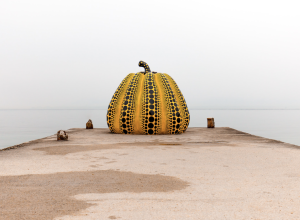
[(223, 54)]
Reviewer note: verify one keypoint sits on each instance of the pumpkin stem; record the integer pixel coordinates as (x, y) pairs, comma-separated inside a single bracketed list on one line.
[(145, 65)]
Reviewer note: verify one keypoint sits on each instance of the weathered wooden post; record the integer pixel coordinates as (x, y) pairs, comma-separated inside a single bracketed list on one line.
[(89, 124), (210, 123)]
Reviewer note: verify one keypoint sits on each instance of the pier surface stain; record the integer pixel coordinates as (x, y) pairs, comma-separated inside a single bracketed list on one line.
[(46, 196), (68, 148)]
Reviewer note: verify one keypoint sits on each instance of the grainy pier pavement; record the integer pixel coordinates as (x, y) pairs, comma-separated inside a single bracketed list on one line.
[(204, 173)]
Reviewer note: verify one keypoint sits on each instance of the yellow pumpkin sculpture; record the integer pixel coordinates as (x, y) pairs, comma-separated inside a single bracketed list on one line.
[(148, 103)]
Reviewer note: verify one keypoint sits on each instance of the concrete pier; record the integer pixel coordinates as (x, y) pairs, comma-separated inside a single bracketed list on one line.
[(204, 173)]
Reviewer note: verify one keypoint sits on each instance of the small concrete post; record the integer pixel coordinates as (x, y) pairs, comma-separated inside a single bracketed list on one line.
[(210, 123)]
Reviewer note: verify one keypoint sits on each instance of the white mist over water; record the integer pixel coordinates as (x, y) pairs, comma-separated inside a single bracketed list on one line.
[(18, 126), (72, 54)]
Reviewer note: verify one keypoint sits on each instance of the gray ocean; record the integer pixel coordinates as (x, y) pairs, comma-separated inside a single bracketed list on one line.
[(19, 126)]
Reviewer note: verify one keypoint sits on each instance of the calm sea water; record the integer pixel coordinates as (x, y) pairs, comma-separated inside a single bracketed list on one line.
[(18, 126)]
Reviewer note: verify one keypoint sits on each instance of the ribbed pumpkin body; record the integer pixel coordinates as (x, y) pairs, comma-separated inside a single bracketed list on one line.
[(148, 103)]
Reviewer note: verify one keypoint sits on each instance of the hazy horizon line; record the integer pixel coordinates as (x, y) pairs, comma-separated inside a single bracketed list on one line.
[(189, 109)]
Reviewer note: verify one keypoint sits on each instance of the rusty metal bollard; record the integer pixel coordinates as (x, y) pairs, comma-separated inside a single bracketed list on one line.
[(89, 124), (210, 123), (62, 135)]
